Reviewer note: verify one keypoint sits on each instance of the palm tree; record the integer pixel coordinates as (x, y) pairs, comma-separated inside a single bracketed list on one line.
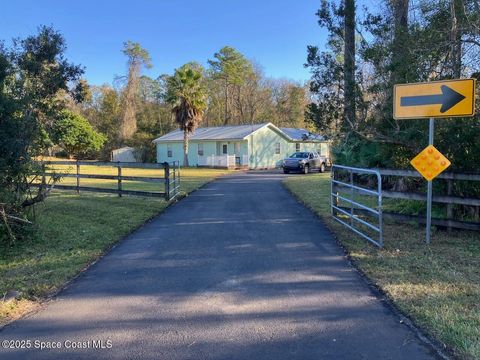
[(187, 94)]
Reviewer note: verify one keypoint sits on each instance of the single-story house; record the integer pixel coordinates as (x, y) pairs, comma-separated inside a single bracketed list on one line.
[(257, 146)]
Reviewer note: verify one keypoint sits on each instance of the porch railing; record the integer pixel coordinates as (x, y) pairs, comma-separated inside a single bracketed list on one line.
[(223, 160)]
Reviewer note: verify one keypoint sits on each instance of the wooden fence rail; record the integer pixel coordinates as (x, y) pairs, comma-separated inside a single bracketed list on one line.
[(169, 176), (108, 164), (445, 176), (447, 199)]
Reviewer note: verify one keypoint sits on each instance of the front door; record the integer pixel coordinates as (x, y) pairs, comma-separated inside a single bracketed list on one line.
[(201, 160), (237, 154)]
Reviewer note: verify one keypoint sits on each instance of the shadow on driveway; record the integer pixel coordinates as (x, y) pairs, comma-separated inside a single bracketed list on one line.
[(237, 270)]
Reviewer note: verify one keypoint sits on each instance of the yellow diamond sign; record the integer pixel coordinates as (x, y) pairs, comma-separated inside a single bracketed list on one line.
[(430, 162)]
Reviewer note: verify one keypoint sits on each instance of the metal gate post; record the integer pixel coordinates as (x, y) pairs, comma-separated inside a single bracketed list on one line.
[(166, 167), (332, 177), (380, 216), (352, 194)]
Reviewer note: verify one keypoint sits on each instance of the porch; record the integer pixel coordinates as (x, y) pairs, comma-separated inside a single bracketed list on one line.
[(224, 161)]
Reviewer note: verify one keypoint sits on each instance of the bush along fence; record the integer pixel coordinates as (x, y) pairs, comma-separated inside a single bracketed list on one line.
[(168, 177), (455, 196)]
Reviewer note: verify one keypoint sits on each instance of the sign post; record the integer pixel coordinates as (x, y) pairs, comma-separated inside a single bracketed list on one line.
[(436, 99), (429, 185)]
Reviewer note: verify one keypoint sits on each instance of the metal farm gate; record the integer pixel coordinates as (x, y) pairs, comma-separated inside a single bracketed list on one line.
[(345, 188)]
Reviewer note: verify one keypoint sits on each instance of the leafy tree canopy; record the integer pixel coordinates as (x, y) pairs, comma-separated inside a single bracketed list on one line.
[(136, 54), (76, 136), (35, 76), (187, 94), (230, 65), (398, 42)]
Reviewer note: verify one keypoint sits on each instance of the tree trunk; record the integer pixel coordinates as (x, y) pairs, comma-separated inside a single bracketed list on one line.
[(455, 41), (185, 148), (349, 66), (400, 61), (225, 121), (128, 125)]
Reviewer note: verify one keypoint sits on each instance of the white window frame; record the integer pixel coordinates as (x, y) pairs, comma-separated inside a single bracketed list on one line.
[(297, 147), (277, 148), (224, 146), (200, 149), (169, 150)]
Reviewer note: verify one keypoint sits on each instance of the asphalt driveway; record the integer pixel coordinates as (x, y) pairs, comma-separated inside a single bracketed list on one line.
[(237, 270)]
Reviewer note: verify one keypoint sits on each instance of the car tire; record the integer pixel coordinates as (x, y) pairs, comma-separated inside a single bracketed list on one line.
[(306, 169), (286, 171), (322, 168)]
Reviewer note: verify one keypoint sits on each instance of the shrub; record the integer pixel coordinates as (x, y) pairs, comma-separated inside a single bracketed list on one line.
[(76, 136)]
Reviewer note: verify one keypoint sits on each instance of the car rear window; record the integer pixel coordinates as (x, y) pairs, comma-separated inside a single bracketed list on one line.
[(300, 155)]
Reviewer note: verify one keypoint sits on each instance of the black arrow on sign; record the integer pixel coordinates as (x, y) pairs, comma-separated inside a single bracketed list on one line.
[(448, 98)]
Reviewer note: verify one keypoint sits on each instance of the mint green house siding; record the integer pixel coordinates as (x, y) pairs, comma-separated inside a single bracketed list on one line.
[(267, 148), (209, 148), (176, 152), (259, 146), (322, 148), (176, 148)]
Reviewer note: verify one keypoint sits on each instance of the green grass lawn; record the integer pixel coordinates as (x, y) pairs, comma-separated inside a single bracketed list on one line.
[(73, 230), (438, 286)]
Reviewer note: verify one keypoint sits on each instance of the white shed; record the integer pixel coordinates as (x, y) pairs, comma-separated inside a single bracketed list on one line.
[(124, 154)]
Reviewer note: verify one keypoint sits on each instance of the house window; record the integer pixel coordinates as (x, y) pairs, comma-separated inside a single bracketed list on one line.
[(200, 149), (225, 149), (277, 148), (297, 146), (324, 149), (169, 150)]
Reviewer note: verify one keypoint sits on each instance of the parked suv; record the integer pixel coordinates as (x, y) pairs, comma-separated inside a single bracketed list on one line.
[(304, 162)]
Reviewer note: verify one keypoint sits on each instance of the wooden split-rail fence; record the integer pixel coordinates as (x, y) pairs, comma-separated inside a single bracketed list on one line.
[(168, 177), (448, 199)]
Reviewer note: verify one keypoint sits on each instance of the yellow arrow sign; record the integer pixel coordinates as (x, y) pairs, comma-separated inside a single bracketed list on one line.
[(434, 99), (430, 162)]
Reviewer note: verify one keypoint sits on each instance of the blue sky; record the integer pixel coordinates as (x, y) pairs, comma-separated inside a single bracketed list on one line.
[(274, 33)]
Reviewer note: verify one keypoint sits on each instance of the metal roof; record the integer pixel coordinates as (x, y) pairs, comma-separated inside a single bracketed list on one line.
[(301, 135), (237, 132), (214, 133)]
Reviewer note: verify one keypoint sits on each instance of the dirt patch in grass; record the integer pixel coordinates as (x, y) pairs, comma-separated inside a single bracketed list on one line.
[(437, 286)]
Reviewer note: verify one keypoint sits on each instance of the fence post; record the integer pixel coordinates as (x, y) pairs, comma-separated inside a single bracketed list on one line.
[(78, 178), (178, 177), (449, 206), (44, 180), (119, 181), (174, 179), (332, 177), (166, 167)]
